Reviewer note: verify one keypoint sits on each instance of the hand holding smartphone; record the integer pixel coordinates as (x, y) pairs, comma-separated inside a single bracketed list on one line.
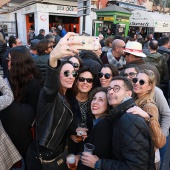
[(88, 42)]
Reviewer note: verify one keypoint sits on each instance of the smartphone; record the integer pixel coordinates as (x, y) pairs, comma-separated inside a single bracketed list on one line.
[(88, 42)]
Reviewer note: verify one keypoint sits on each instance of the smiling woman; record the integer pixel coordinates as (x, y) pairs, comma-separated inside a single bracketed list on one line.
[(78, 99), (143, 86), (98, 105)]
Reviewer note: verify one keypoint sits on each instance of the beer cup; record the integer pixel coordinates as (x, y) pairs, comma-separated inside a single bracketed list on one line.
[(81, 132), (88, 147), (71, 160)]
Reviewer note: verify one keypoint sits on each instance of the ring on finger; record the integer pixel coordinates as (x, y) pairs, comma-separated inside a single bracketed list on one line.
[(68, 48)]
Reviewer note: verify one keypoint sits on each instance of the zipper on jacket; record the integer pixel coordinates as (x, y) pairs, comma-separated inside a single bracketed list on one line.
[(60, 121)]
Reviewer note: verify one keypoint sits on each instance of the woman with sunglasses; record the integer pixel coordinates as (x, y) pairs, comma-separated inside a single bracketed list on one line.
[(78, 99), (53, 111), (143, 87), (106, 74), (76, 62)]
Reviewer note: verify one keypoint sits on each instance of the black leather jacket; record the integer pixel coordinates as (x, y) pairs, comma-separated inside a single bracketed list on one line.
[(132, 147), (53, 113)]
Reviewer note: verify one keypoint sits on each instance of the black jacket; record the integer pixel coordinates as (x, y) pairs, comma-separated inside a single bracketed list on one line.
[(18, 117), (53, 113), (41, 63), (165, 50), (132, 147), (39, 37)]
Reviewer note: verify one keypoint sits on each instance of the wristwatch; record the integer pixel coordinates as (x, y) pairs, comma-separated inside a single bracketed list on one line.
[(96, 165)]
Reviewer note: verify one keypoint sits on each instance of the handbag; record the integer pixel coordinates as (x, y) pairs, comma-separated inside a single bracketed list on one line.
[(58, 163)]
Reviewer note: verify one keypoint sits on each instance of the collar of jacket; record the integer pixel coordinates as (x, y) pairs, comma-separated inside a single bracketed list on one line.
[(118, 111)]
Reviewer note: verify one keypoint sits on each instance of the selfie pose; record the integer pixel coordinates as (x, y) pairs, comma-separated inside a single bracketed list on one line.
[(54, 116)]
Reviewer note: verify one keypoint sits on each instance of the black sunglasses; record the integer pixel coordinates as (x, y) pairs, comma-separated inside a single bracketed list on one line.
[(131, 74), (107, 75), (75, 65), (67, 73), (51, 47), (141, 82), (82, 79)]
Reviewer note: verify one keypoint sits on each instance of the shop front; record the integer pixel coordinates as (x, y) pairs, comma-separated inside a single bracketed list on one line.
[(112, 20), (154, 22)]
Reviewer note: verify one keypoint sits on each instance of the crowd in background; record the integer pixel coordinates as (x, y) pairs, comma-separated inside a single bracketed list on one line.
[(119, 92)]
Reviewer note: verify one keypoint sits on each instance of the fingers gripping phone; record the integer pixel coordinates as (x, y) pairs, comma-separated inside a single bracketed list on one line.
[(88, 42)]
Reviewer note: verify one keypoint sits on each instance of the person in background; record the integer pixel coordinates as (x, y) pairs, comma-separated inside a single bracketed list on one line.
[(101, 39), (2, 32), (50, 38), (33, 48), (44, 49), (76, 62), (90, 59), (115, 55), (107, 72), (164, 48), (98, 52), (102, 141), (133, 53), (63, 31), (31, 35), (41, 34), (25, 85), (56, 33), (3, 48), (9, 155), (108, 44), (13, 42), (159, 61)]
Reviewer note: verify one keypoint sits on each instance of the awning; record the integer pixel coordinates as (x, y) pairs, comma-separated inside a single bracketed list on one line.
[(160, 22)]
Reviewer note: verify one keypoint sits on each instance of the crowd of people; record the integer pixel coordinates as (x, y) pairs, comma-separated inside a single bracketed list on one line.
[(118, 93)]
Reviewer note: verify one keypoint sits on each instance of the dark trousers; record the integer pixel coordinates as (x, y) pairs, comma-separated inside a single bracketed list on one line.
[(165, 151), (165, 88)]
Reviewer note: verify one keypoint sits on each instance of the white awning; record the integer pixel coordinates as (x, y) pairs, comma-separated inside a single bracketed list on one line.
[(160, 22)]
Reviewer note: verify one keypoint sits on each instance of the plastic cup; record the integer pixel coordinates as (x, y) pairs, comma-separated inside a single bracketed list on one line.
[(88, 147)]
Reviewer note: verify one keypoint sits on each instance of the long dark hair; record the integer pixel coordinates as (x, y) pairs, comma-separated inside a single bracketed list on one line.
[(22, 70)]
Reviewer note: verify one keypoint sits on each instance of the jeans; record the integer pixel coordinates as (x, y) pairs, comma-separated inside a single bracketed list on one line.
[(163, 151)]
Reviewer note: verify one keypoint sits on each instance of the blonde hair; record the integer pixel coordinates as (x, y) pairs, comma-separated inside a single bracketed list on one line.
[(152, 82), (2, 38)]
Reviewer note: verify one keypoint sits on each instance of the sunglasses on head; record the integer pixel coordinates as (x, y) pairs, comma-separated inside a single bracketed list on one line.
[(107, 75), (141, 82), (131, 74), (82, 79), (67, 73)]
